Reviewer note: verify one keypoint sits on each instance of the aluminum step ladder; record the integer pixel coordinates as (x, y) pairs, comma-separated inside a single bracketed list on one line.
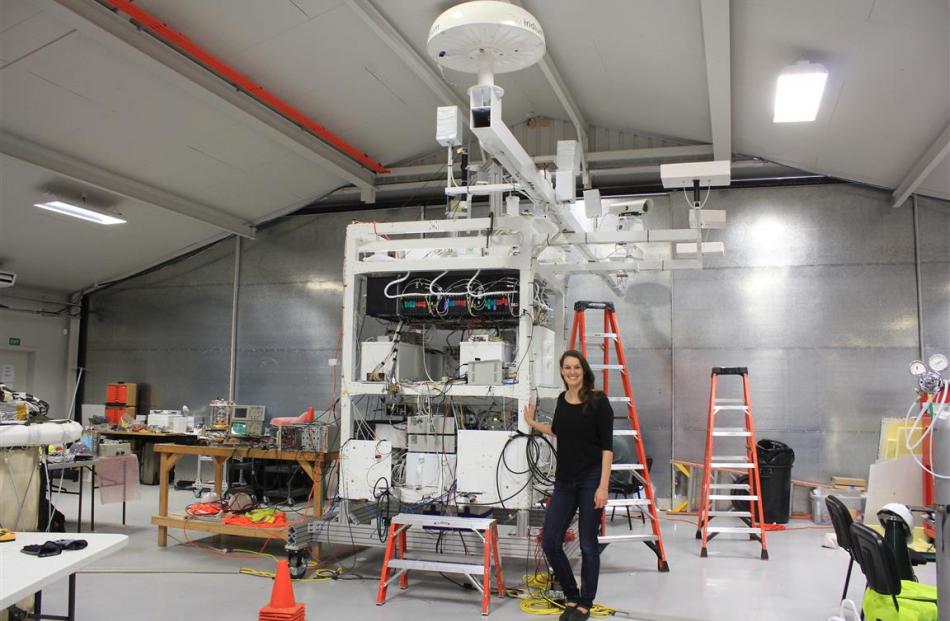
[(714, 492), (479, 571), (607, 339)]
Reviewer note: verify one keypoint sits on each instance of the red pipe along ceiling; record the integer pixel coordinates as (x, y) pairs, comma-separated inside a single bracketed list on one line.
[(186, 46)]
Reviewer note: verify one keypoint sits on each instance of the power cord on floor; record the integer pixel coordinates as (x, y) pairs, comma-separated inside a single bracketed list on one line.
[(318, 575), (535, 599)]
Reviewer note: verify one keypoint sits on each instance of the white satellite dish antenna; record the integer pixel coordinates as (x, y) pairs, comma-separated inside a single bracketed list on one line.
[(486, 37)]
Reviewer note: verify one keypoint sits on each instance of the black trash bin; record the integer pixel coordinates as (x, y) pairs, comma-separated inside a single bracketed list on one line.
[(775, 474)]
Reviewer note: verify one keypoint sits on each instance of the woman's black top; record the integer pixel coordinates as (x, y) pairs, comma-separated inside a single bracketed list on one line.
[(581, 436)]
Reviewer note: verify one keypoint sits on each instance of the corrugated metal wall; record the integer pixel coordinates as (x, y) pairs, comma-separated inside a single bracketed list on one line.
[(291, 297), (817, 295), (169, 328), (934, 226)]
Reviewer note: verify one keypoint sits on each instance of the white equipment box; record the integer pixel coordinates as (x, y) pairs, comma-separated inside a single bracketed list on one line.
[(363, 464), (448, 126), (708, 174), (479, 474), (431, 444), (166, 419), (484, 350), (485, 372), (545, 367), (430, 473), (395, 435), (431, 424), (111, 449), (470, 351), (376, 361)]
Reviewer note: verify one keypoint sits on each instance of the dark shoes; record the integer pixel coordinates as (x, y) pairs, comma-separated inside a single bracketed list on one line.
[(54, 547), (571, 613), (71, 544)]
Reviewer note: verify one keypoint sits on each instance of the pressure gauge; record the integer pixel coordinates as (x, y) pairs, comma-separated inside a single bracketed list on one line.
[(917, 368), (938, 362)]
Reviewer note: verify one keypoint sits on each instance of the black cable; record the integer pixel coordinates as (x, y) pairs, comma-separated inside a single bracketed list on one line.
[(501, 457), (533, 454), (460, 585), (383, 517)]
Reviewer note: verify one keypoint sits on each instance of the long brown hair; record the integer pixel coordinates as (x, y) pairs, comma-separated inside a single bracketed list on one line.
[(587, 392)]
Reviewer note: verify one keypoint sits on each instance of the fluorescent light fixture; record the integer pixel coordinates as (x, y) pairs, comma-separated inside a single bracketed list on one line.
[(798, 92), (83, 213)]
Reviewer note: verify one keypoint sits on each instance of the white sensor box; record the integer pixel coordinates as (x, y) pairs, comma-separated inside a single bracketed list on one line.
[(716, 173), (448, 126)]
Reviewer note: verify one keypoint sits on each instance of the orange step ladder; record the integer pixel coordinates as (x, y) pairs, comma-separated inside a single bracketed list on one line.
[(608, 338), (751, 490), (479, 573)]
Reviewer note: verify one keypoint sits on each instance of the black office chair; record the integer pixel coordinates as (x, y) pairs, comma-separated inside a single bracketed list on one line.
[(841, 519), (876, 561), (624, 484)]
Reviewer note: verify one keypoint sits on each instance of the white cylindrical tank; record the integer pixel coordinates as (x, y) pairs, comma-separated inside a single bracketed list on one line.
[(39, 434)]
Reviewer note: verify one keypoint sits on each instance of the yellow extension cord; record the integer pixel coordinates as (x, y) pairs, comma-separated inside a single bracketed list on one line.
[(535, 602), (319, 575), (533, 598)]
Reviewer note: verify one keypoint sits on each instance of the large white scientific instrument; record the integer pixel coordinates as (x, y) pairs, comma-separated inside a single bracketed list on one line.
[(483, 293)]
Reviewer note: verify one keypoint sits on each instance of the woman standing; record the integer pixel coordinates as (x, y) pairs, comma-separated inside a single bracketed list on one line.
[(583, 426)]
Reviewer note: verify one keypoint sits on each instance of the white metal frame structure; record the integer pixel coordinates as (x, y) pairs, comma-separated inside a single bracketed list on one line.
[(543, 242)]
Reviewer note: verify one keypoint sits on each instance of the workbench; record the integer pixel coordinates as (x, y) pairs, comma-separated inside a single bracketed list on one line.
[(310, 462)]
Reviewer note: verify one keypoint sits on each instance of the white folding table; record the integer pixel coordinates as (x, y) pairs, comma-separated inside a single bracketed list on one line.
[(22, 575)]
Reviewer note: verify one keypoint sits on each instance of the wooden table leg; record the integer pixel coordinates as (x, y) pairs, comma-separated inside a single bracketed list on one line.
[(167, 462), (163, 498), (219, 474)]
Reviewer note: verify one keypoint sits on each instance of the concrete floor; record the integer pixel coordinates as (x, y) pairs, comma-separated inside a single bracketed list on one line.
[(144, 582)]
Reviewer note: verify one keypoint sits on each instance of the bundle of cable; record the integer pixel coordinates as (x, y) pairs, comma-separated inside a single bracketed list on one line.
[(282, 605)]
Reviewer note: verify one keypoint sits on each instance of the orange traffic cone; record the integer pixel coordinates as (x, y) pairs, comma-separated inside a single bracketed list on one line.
[(282, 606)]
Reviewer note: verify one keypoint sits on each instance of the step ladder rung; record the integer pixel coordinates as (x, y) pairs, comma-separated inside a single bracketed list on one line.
[(628, 502), (443, 521), (606, 367), (732, 464), (618, 538), (730, 458), (442, 566), (616, 467), (736, 408), (601, 335), (619, 399), (732, 497), (726, 400), (739, 486), (625, 432), (736, 514), (721, 432), (745, 530)]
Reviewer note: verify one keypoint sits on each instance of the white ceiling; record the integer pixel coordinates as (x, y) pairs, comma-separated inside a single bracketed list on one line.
[(630, 65)]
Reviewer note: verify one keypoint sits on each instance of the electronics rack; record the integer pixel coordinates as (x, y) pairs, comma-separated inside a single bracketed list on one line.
[(445, 297)]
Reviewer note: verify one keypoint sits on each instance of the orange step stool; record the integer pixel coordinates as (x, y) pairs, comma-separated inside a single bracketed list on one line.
[(479, 574)]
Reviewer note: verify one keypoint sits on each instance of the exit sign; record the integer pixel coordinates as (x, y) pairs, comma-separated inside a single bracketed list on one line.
[(14, 341)]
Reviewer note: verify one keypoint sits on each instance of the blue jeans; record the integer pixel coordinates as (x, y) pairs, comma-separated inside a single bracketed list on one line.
[(570, 497)]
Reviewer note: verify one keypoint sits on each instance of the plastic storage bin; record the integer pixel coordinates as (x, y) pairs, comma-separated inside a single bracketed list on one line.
[(852, 500)]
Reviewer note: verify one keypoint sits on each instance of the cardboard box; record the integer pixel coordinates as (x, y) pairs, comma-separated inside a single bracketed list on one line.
[(849, 483)]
